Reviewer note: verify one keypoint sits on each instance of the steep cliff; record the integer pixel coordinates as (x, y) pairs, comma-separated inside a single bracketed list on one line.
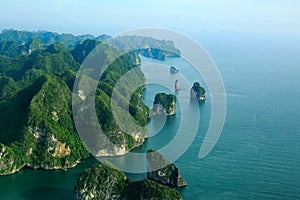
[(162, 171), (49, 140)]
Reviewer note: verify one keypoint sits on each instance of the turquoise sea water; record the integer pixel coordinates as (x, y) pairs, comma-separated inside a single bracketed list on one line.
[(258, 153)]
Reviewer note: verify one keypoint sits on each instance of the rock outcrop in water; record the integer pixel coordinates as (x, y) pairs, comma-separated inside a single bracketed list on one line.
[(162, 171), (164, 104), (105, 181), (197, 92), (177, 88), (173, 70)]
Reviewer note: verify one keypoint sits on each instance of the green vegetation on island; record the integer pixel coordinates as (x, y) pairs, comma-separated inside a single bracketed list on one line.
[(147, 46), (38, 129), (14, 43), (46, 37), (37, 73), (164, 104), (105, 181)]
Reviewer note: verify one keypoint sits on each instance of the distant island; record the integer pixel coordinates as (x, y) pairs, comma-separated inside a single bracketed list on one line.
[(14, 43)]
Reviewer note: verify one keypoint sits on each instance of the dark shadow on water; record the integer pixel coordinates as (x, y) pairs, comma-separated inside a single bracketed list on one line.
[(49, 194)]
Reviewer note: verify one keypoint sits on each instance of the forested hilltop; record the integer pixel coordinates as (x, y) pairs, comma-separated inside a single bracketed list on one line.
[(37, 73), (14, 43)]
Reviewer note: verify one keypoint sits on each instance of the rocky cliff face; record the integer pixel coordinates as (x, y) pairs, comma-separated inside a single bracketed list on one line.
[(162, 171), (7, 162), (105, 181), (126, 144), (164, 104)]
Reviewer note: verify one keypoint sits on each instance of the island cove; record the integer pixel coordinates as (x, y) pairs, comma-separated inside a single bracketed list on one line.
[(37, 73)]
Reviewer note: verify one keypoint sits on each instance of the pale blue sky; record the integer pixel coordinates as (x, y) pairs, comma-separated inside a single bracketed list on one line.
[(96, 17)]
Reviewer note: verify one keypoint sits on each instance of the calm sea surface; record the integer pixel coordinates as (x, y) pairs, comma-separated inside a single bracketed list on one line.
[(258, 153)]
